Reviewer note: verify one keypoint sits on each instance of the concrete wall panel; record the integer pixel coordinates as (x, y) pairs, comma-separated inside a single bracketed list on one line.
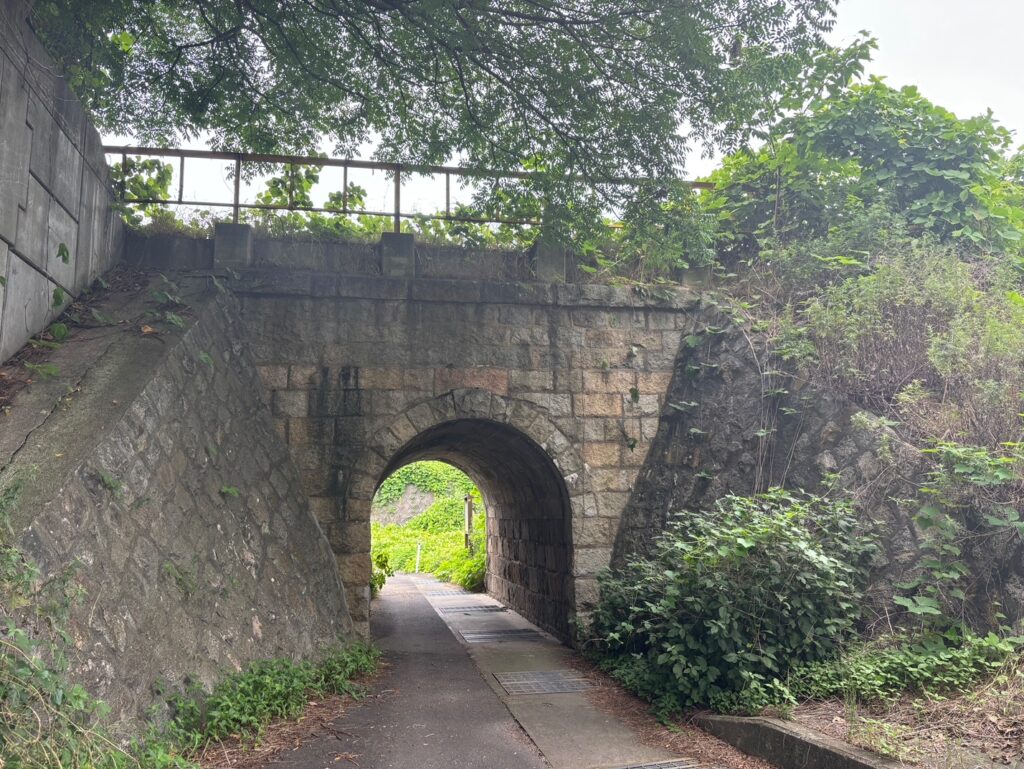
[(54, 184), (27, 305), (14, 147)]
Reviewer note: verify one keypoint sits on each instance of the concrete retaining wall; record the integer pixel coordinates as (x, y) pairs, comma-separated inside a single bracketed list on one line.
[(54, 188)]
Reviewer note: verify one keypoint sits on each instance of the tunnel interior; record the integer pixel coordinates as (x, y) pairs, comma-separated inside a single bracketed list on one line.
[(529, 528)]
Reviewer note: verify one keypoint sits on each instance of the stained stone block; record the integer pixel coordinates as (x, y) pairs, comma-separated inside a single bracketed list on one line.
[(398, 254), (232, 245)]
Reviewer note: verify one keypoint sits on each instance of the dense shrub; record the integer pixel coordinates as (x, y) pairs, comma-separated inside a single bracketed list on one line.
[(731, 598)]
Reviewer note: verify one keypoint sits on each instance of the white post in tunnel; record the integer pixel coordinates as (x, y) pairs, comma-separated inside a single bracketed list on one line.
[(469, 523)]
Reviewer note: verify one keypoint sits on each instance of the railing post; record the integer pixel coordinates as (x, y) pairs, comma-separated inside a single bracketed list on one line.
[(238, 187), (181, 178), (398, 198), (344, 189), (447, 194), (124, 177)]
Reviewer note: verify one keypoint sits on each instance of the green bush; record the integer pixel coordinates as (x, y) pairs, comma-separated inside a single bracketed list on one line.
[(932, 665), (443, 542), (467, 567), (730, 599), (244, 703), (438, 530)]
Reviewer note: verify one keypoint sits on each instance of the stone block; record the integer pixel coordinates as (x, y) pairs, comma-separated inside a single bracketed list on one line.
[(598, 405), (307, 432), (412, 379), (273, 377), (291, 403), (303, 377), (232, 245), (609, 380), (356, 286), (530, 381), (555, 404), (609, 479), (591, 561), (440, 290), (601, 454), (636, 455), (491, 379), (594, 532), (549, 259), (645, 404), (354, 568), (397, 255), (654, 382), (350, 537)]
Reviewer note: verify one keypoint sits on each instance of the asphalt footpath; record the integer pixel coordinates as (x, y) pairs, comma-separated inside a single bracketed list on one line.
[(469, 684)]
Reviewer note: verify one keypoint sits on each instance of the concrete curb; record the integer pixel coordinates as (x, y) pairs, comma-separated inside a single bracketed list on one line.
[(788, 745)]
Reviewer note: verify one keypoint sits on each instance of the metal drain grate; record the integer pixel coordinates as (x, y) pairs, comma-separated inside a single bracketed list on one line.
[(497, 636), (446, 592), (470, 609), (543, 682), (677, 763)]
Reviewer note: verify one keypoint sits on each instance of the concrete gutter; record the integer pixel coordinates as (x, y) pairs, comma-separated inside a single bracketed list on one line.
[(790, 746)]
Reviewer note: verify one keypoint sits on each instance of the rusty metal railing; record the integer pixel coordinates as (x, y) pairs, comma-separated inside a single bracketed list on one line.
[(397, 169)]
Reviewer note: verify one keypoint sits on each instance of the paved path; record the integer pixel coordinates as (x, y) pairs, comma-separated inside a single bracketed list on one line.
[(438, 705)]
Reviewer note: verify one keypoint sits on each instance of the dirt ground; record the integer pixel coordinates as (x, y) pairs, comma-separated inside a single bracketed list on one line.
[(979, 729)]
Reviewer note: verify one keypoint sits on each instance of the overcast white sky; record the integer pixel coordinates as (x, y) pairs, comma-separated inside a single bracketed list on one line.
[(965, 55)]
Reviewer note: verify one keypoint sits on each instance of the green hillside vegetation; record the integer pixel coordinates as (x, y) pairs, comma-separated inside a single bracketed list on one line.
[(438, 530)]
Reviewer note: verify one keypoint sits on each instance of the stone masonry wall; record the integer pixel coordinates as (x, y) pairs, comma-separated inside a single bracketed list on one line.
[(54, 187), (359, 366), (177, 511)]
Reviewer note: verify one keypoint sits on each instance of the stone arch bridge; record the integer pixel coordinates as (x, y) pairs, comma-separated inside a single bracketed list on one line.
[(547, 394)]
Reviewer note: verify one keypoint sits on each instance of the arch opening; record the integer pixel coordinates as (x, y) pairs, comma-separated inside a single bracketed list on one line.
[(528, 518), (429, 516)]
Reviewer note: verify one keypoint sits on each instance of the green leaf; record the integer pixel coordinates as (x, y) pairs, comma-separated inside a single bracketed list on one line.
[(45, 370)]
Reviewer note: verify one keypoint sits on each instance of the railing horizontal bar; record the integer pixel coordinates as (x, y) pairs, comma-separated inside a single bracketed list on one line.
[(373, 165), (315, 209)]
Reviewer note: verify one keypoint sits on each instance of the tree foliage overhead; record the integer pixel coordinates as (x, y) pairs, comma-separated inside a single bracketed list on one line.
[(598, 86)]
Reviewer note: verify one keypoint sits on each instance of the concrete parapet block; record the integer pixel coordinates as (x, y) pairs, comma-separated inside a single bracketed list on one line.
[(789, 745), (550, 259), (232, 245), (397, 254)]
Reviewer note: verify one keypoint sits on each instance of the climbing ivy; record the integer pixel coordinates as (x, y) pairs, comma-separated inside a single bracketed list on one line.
[(435, 477)]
